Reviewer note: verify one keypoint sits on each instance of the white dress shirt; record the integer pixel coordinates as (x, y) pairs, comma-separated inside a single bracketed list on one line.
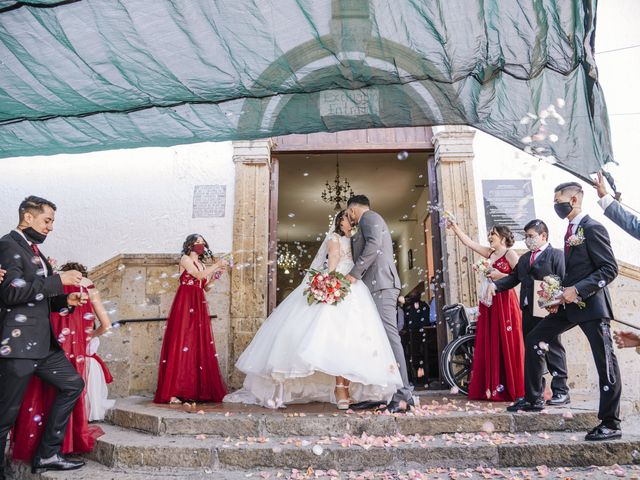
[(605, 201)]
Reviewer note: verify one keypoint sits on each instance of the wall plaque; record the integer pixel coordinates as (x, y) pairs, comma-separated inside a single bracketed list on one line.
[(510, 203), (209, 201)]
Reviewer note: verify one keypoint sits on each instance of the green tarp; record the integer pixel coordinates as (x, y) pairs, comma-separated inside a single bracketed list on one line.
[(100, 74)]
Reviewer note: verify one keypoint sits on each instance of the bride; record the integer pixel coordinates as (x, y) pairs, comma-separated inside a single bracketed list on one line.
[(321, 353)]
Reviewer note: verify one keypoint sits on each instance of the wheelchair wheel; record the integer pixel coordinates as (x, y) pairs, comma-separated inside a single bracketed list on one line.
[(456, 362)]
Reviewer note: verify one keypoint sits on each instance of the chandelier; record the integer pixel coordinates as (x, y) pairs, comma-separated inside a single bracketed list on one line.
[(339, 192), (286, 259)]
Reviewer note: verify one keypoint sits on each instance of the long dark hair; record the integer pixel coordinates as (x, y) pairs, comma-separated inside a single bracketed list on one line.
[(190, 241), (336, 222)]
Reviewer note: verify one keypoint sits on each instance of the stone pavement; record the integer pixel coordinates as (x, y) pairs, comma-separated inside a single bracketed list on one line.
[(445, 437)]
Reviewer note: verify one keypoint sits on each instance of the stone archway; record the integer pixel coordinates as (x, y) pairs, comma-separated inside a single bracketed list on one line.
[(349, 44)]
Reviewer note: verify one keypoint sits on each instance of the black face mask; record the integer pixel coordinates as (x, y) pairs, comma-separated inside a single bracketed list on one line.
[(563, 209), (34, 236)]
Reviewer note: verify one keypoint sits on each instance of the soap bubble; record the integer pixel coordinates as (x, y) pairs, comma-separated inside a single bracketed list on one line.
[(65, 331), (317, 449), (16, 332), (20, 318), (403, 155), (89, 316), (5, 350), (39, 296), (500, 388), (18, 283)]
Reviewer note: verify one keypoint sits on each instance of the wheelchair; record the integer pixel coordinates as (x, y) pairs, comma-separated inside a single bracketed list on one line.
[(456, 358)]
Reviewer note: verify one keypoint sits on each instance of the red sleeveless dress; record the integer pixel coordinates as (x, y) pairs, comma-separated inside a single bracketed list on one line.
[(189, 367), (71, 331), (497, 372)]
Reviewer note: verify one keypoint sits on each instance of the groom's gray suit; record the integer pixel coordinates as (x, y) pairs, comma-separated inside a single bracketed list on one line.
[(373, 264)]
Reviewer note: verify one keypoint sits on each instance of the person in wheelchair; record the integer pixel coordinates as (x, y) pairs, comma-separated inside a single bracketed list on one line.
[(541, 260)]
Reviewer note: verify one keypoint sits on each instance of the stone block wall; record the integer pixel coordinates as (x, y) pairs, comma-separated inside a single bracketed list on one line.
[(138, 287)]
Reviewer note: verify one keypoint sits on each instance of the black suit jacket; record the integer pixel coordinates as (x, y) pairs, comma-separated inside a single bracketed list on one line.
[(590, 267), (548, 262), (26, 300)]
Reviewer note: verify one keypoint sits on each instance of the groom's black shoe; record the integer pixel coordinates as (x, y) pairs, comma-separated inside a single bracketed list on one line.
[(559, 399), (401, 406), (602, 432), (522, 405), (367, 405), (57, 462)]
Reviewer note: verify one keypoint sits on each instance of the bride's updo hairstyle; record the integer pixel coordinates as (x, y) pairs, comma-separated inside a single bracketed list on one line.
[(504, 232), (336, 222)]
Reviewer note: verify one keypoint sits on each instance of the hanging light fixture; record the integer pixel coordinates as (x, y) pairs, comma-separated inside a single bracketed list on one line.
[(286, 260), (339, 191)]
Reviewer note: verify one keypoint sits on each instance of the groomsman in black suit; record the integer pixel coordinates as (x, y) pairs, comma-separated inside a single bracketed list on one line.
[(28, 294), (541, 260), (589, 267)]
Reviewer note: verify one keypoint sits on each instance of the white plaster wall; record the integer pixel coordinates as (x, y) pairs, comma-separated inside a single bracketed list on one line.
[(122, 201)]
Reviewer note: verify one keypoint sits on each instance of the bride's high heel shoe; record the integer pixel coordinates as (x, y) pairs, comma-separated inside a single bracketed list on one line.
[(344, 403)]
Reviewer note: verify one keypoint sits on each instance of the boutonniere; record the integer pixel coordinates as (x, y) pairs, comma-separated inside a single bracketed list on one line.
[(54, 264), (354, 230), (577, 238)]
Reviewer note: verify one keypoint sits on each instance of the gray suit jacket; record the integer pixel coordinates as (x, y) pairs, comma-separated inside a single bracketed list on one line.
[(373, 254), (625, 220)]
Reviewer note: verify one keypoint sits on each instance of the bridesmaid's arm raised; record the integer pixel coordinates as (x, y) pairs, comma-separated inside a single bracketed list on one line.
[(187, 263), (464, 238)]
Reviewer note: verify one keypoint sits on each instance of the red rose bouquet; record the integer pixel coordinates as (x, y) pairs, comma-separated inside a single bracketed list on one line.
[(328, 288)]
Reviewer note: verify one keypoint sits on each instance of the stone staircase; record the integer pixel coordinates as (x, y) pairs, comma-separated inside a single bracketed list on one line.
[(443, 438)]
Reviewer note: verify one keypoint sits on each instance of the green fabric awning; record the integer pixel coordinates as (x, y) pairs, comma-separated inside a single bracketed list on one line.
[(87, 75)]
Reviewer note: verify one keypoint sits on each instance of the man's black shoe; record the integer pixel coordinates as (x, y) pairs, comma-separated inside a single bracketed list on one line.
[(602, 432), (58, 462), (2, 476), (524, 406), (559, 399), (367, 405), (398, 407)]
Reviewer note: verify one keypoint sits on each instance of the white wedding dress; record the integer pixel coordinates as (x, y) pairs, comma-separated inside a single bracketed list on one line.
[(300, 349)]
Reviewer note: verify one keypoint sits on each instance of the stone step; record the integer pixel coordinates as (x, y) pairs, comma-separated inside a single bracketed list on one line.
[(436, 417), (122, 448), (96, 471)]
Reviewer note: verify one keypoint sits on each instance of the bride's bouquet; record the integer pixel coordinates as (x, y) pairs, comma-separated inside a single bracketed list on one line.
[(551, 291), (328, 288)]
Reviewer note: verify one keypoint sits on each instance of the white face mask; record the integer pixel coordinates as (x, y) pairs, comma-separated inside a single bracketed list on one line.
[(533, 243)]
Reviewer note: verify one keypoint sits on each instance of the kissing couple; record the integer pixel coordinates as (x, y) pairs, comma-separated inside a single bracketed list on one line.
[(348, 353)]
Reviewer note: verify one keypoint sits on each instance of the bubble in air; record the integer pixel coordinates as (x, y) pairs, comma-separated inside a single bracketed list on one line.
[(543, 346), (16, 332), (488, 427), (500, 388), (605, 388), (5, 350), (65, 331), (317, 449), (37, 418), (89, 316), (18, 283), (64, 312), (39, 296), (403, 155)]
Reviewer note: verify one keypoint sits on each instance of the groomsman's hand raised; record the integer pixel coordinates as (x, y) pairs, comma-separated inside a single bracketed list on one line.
[(626, 339)]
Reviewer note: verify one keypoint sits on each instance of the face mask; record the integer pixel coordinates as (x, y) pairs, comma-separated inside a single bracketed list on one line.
[(563, 209), (34, 236), (198, 249), (532, 243)]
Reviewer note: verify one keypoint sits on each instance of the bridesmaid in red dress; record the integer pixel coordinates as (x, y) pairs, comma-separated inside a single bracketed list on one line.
[(497, 372), (189, 368), (73, 330)]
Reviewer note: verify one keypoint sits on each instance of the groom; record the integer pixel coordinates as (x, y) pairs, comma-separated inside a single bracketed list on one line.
[(373, 264)]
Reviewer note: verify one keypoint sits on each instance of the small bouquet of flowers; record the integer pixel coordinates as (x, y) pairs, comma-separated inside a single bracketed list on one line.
[(483, 266), (54, 264), (328, 288), (551, 291)]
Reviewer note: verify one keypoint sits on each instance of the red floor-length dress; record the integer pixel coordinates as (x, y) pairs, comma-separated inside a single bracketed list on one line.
[(497, 372), (189, 367), (71, 330)]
